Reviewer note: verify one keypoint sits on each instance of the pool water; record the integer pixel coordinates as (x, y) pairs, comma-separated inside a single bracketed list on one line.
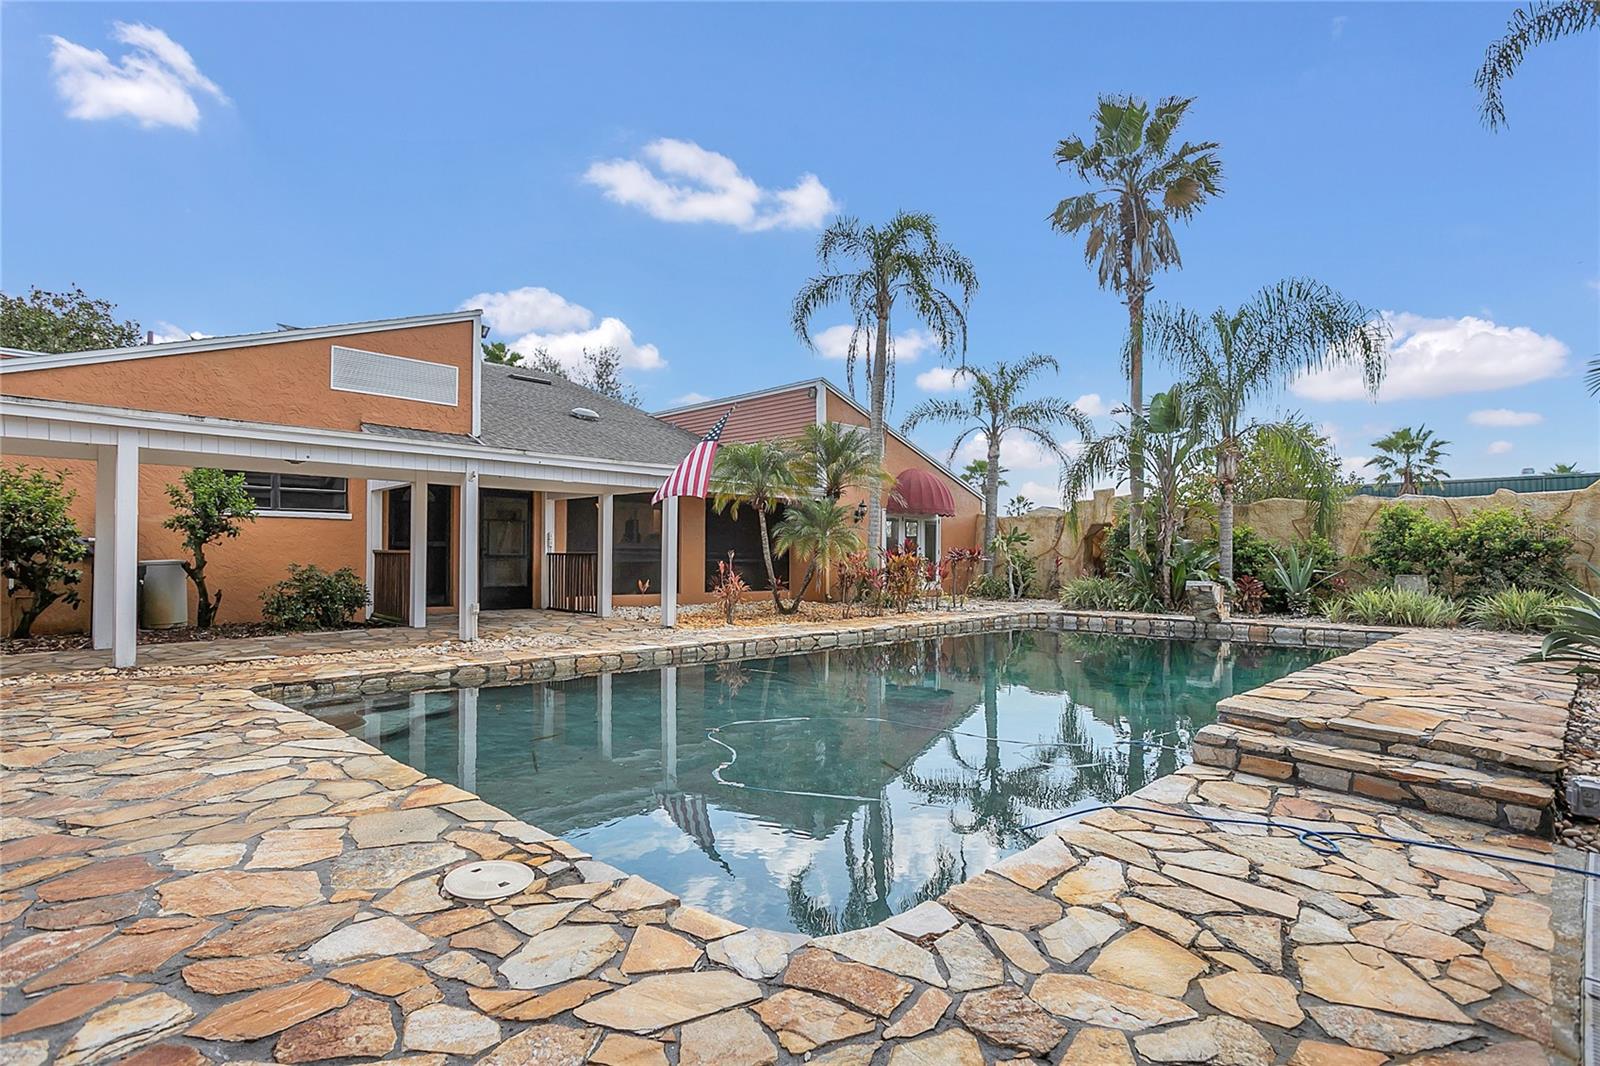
[(822, 792)]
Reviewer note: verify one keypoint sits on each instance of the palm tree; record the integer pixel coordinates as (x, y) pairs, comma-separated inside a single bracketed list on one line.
[(1172, 435), (976, 473), (870, 268), (1537, 23), (833, 457), (1591, 377), (1412, 454), (1233, 358), (1564, 468), (759, 475), (994, 407), (1140, 182), (821, 530)]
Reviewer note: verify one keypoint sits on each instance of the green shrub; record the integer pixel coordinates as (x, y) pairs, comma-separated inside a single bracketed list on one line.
[(1379, 606), (1502, 548), (1295, 575), (312, 598), (989, 587), (1095, 594), (1516, 610), (1252, 554), (39, 542), (1498, 548), (1407, 540)]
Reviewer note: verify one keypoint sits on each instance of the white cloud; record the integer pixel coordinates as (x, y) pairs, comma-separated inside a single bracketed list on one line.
[(1092, 405), (941, 379), (679, 181), (1504, 416), (538, 318), (1017, 452), (1498, 447), (834, 343), (1356, 466), (154, 82), (1038, 493), (1442, 356), (690, 397), (164, 332)]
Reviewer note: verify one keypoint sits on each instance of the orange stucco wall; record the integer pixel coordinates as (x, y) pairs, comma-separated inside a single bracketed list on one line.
[(241, 567), (964, 529), (283, 383)]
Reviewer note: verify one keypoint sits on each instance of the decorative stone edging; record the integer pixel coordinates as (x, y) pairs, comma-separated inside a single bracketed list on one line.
[(538, 665)]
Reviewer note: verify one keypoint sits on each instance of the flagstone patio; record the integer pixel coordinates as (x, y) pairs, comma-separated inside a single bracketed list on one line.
[(193, 872)]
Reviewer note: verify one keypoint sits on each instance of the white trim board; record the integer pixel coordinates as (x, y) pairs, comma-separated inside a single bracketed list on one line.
[(25, 360)]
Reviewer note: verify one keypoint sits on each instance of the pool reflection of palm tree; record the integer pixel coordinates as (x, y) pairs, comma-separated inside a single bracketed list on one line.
[(869, 864)]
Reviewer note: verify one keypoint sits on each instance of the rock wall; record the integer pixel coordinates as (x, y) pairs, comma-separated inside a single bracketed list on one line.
[(1068, 546)]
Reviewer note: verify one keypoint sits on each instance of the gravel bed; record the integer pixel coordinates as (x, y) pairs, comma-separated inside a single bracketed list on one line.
[(1582, 757)]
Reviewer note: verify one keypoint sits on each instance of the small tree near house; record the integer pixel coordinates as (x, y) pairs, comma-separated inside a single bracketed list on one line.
[(208, 505), (39, 542)]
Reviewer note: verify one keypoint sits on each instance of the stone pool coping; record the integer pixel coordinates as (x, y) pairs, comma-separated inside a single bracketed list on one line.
[(532, 664), (179, 820)]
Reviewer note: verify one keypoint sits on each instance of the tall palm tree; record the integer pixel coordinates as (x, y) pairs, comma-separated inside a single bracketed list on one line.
[(1171, 434), (822, 531), (1233, 358), (1537, 23), (870, 268), (1564, 468), (1412, 455), (833, 458), (1141, 181), (994, 407), (759, 475)]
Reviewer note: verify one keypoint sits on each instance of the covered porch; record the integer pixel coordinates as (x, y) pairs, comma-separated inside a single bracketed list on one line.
[(495, 497)]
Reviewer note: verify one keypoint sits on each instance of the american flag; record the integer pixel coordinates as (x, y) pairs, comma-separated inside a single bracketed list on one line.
[(689, 477)]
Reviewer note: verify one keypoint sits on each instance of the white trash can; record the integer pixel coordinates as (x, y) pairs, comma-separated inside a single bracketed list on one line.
[(163, 594)]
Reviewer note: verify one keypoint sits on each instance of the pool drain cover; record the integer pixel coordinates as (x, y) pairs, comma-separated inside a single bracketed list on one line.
[(487, 880)]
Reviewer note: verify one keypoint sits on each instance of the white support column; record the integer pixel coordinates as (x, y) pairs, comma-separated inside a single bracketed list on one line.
[(467, 739), (607, 543), (603, 698), (547, 528), (418, 615), (669, 561), (467, 546), (375, 501), (417, 731), (125, 551), (103, 620), (669, 726)]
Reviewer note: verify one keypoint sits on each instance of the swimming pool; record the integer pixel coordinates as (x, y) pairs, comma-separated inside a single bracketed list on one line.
[(822, 792)]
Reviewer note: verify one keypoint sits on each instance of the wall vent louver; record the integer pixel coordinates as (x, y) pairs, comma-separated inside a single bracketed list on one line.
[(353, 370)]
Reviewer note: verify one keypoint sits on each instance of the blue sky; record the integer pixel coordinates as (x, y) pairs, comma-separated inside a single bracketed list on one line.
[(310, 163)]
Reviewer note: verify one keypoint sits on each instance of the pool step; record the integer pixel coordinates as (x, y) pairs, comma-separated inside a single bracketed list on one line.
[(1524, 804)]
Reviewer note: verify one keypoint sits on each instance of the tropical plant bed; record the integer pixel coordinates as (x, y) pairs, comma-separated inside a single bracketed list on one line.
[(710, 616), (178, 635)]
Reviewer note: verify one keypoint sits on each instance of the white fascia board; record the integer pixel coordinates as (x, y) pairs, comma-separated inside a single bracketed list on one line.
[(28, 361), (86, 419)]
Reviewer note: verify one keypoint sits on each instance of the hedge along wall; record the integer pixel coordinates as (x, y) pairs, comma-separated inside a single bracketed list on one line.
[(1063, 553)]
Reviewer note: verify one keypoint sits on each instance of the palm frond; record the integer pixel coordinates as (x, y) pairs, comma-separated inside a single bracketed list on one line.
[(1537, 23)]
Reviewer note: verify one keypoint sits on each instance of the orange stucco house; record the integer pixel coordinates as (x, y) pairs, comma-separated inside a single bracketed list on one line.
[(355, 437)]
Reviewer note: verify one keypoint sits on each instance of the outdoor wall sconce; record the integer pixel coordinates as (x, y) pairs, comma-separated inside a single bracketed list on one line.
[(861, 511)]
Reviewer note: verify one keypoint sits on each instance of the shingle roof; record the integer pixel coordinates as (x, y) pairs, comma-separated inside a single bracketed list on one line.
[(536, 416)]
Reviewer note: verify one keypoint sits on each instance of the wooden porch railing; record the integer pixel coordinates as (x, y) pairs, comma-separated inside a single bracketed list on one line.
[(391, 585), (574, 581)]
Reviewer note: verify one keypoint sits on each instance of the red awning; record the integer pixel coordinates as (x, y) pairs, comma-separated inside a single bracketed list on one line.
[(919, 491)]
